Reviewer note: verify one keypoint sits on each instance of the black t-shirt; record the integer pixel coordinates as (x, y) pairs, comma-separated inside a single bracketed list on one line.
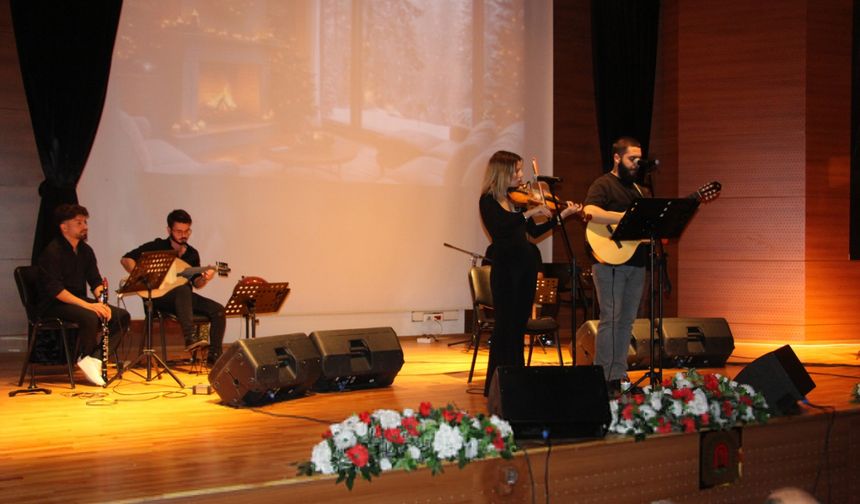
[(508, 230), (61, 267), (610, 194), (191, 256)]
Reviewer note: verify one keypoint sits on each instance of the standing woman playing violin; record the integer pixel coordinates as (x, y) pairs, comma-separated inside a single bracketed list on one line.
[(514, 268)]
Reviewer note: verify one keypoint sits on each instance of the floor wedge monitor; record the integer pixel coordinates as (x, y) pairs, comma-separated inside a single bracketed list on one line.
[(357, 358), (780, 377), (263, 370)]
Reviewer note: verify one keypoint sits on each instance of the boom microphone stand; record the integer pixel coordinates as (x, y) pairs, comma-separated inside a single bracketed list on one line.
[(475, 257)]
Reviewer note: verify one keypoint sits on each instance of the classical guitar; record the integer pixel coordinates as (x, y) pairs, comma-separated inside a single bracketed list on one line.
[(609, 251), (180, 273)]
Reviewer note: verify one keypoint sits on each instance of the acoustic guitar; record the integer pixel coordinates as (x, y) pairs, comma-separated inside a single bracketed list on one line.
[(609, 251)]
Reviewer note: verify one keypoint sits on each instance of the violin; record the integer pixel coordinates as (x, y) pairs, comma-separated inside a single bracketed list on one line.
[(538, 193)]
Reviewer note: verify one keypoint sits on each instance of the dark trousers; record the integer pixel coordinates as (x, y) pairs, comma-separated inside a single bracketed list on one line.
[(513, 288), (90, 326), (184, 303)]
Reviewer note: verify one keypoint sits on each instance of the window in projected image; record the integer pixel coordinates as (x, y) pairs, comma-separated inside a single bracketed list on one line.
[(386, 91)]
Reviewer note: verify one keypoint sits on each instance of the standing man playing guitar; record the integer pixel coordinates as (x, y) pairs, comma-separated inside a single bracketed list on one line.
[(618, 286), (181, 300)]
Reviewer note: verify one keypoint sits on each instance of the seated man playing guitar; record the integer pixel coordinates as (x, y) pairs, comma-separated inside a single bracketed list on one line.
[(181, 300)]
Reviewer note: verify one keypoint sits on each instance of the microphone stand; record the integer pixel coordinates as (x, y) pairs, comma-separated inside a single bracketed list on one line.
[(475, 257), (574, 275)]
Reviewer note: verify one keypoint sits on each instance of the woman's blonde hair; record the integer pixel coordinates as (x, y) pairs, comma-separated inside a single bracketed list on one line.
[(500, 172)]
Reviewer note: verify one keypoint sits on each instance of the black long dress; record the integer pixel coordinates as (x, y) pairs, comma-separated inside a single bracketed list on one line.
[(512, 280)]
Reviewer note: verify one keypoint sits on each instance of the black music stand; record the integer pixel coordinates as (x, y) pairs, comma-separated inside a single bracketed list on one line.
[(149, 272), (655, 219), (250, 299)]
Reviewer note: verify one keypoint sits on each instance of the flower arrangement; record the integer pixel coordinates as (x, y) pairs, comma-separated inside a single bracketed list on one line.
[(368, 444), (688, 402)]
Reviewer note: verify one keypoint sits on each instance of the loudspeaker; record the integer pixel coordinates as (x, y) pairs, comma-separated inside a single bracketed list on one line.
[(780, 377), (551, 401), (261, 370), (688, 342), (638, 352), (357, 358)]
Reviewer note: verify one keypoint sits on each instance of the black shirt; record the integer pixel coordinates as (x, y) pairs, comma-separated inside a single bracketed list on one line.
[(191, 256), (61, 267), (508, 230), (610, 194)]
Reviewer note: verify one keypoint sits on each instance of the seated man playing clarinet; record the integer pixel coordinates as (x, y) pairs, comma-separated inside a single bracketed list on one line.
[(66, 266)]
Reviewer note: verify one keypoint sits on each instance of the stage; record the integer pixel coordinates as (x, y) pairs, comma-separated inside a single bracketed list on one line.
[(145, 442)]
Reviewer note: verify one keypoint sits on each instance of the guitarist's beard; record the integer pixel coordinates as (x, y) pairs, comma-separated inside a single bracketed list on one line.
[(183, 243), (627, 176)]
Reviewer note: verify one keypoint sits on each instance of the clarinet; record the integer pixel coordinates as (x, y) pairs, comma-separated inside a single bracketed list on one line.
[(103, 298)]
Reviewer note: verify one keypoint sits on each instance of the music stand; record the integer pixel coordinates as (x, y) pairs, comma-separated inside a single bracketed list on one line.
[(655, 219), (252, 298), (148, 274)]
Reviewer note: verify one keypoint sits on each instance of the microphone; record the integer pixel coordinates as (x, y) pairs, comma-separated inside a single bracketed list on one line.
[(548, 179), (647, 164)]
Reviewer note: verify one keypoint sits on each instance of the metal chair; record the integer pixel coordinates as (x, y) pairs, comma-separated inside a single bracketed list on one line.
[(482, 307), (26, 279), (201, 324), (483, 321)]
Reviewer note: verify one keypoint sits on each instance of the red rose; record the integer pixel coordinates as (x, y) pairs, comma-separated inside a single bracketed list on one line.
[(327, 434), (727, 408), (639, 398), (378, 431), (746, 400), (364, 417), (424, 409), (490, 429), (358, 455), (627, 412), (683, 393), (711, 383), (663, 426), (499, 443), (705, 419), (689, 424), (667, 382), (394, 436), (411, 425)]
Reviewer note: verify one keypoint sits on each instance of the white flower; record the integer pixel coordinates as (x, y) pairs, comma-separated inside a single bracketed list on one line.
[(476, 424), (749, 390), (681, 381), (748, 416), (677, 407), (344, 439), (716, 412), (472, 449), (699, 405), (385, 464), (656, 400), (504, 427), (321, 457), (408, 412), (447, 441), (647, 412), (355, 424), (414, 452), (734, 384), (388, 419)]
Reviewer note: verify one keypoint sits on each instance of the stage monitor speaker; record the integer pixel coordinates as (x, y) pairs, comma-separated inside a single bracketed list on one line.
[(780, 377), (357, 358), (638, 352), (551, 401), (263, 370), (688, 342)]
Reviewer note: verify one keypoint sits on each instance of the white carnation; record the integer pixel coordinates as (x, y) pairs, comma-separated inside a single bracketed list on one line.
[(388, 419), (385, 464), (716, 412), (408, 412), (677, 407), (414, 453), (355, 424), (503, 426), (476, 424), (699, 405), (447, 441), (656, 400), (344, 439), (748, 416), (749, 390), (321, 457), (647, 412), (472, 449)]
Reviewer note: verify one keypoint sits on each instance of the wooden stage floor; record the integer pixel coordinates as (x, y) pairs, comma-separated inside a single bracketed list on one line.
[(144, 442)]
